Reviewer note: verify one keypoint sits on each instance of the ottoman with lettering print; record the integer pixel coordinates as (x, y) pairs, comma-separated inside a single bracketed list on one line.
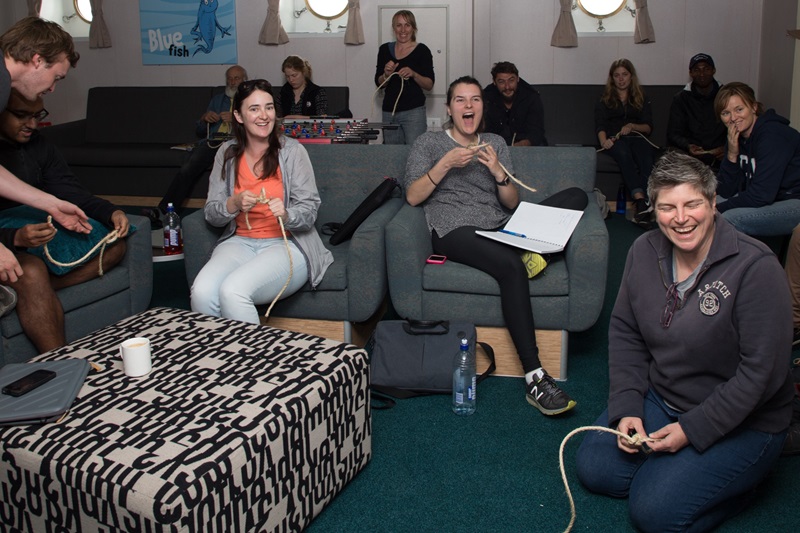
[(236, 428)]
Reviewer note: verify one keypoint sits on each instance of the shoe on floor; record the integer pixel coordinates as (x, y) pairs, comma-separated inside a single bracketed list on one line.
[(545, 395), (154, 214), (534, 263), (791, 446), (644, 213)]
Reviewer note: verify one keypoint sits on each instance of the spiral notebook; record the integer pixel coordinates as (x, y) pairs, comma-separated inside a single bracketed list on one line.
[(538, 228)]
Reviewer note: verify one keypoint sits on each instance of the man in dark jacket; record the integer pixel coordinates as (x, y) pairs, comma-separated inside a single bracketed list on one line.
[(693, 126), (38, 163), (513, 108)]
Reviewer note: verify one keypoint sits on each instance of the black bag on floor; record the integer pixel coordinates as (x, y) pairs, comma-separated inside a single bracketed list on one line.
[(413, 357)]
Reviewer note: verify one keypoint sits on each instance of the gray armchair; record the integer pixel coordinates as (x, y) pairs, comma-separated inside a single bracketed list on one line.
[(567, 297), (355, 286)]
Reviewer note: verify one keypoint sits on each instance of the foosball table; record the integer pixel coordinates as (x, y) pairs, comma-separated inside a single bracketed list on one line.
[(327, 130)]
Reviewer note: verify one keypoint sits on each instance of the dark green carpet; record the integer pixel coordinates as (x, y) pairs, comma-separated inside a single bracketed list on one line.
[(498, 469)]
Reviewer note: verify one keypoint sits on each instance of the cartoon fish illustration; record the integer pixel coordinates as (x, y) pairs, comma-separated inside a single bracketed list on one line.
[(206, 27)]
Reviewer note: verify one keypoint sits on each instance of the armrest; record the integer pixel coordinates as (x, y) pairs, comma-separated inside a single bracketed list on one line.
[(67, 134), (586, 257), (366, 262), (138, 260), (408, 245), (199, 238)]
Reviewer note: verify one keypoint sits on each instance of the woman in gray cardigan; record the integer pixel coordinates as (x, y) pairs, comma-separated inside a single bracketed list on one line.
[(261, 187)]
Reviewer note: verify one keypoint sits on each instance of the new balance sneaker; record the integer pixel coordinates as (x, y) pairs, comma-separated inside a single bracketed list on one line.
[(534, 263), (154, 214), (545, 395), (644, 213)]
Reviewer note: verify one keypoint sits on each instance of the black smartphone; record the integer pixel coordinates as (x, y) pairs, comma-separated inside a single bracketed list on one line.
[(27, 383)]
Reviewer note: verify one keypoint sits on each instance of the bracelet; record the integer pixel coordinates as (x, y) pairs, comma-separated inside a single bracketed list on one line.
[(430, 178), (503, 183)]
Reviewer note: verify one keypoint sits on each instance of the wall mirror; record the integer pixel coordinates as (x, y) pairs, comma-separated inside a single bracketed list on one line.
[(83, 8)]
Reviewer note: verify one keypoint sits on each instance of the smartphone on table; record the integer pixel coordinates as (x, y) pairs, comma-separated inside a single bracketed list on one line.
[(27, 383)]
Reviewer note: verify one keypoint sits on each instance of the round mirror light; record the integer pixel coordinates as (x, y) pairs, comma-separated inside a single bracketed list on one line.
[(325, 9), (83, 8), (601, 9)]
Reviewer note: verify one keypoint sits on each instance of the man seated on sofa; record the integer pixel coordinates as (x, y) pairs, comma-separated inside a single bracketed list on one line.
[(38, 163), (513, 108), (693, 125), (215, 122)]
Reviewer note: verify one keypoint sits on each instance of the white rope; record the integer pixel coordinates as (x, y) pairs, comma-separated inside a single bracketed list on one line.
[(634, 440), (108, 239), (618, 135), (402, 83), (262, 199), (509, 174)]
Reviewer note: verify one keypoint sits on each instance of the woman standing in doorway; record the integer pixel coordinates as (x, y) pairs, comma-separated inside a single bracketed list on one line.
[(404, 69)]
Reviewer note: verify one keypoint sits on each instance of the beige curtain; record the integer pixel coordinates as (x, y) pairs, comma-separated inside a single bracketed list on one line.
[(354, 34), (272, 31), (565, 36), (644, 28), (34, 8), (98, 31)]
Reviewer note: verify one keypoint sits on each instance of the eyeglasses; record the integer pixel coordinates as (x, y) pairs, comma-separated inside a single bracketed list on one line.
[(669, 308), (25, 116), (250, 84)]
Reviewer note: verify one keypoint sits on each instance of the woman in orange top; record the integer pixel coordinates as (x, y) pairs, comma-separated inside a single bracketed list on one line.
[(259, 180)]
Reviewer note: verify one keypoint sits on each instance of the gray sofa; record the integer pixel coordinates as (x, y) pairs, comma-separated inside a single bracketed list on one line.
[(569, 120), (122, 147), (354, 287), (119, 293), (567, 297)]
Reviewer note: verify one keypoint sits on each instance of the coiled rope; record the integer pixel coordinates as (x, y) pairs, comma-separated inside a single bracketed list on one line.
[(385, 81), (509, 174), (633, 440), (262, 199), (618, 135), (112, 236)]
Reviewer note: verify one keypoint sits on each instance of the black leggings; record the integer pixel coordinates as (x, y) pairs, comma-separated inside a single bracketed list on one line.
[(503, 263)]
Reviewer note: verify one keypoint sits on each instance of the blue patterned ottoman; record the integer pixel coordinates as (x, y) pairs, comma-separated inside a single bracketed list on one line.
[(237, 428)]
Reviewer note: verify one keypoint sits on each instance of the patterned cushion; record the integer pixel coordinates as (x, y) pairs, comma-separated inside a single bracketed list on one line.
[(237, 427)]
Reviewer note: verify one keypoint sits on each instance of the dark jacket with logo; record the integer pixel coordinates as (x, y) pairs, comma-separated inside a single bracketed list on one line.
[(723, 360), (313, 101), (768, 169), (525, 119)]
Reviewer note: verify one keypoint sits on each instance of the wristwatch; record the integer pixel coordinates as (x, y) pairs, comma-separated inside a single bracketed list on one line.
[(503, 183)]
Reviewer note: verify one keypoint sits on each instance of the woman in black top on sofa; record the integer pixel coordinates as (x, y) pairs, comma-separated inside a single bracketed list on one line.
[(300, 97), (623, 118)]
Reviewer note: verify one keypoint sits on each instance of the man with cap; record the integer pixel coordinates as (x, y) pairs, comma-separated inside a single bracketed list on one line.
[(693, 125)]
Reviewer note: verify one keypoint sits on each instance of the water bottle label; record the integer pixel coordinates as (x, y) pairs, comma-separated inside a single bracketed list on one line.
[(173, 237), (459, 397)]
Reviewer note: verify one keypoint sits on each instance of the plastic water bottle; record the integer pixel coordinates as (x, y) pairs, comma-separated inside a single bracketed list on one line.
[(621, 200), (173, 240), (464, 380)]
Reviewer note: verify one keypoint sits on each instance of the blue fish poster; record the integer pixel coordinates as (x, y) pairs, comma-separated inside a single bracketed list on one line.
[(188, 32)]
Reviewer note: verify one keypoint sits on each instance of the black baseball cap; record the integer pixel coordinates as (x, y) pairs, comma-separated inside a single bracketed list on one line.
[(701, 58)]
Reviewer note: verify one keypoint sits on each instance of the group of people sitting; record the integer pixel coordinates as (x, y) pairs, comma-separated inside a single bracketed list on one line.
[(698, 357)]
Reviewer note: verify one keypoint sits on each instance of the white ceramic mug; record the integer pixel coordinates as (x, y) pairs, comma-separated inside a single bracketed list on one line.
[(135, 355)]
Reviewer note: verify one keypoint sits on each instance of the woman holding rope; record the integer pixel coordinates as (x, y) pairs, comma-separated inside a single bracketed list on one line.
[(463, 180), (699, 345), (623, 118), (404, 69), (262, 190)]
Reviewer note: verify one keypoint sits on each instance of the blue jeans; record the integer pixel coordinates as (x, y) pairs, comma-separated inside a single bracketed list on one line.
[(413, 123), (635, 158), (682, 491), (779, 218), (243, 273)]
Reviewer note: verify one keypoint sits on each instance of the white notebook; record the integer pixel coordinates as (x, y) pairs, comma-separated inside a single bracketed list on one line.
[(538, 228)]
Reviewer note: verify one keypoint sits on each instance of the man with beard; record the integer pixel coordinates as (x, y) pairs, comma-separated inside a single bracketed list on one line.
[(513, 108), (215, 122), (694, 127)]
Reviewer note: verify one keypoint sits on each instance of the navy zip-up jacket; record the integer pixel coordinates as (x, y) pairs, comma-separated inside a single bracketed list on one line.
[(768, 168)]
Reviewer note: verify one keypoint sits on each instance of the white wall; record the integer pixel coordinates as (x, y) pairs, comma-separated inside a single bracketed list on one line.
[(511, 30)]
